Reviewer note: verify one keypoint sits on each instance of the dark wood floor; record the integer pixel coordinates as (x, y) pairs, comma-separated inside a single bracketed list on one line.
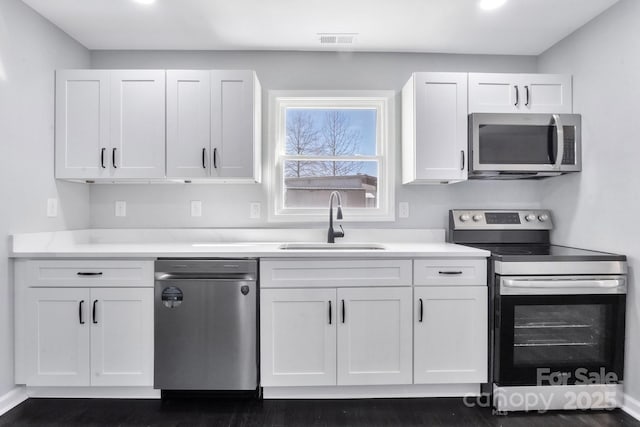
[(244, 412)]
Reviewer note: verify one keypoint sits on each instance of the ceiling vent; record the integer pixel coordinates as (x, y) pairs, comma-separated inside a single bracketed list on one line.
[(337, 38)]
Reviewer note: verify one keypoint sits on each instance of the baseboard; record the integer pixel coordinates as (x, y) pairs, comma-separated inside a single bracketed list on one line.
[(12, 398), (94, 392), (631, 406), (371, 392)]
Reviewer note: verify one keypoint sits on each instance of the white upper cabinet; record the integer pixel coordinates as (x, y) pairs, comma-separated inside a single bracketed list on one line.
[(188, 124), (110, 124), (520, 93), (235, 124), (213, 125), (137, 123), (434, 128), (82, 124)]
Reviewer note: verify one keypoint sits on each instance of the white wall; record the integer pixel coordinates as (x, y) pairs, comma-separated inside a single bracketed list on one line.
[(228, 205), (31, 48), (599, 207)]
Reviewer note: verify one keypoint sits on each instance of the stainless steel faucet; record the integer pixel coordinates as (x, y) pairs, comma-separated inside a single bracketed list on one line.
[(332, 234)]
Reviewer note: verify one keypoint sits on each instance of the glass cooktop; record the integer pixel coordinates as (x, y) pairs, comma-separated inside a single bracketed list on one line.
[(516, 252)]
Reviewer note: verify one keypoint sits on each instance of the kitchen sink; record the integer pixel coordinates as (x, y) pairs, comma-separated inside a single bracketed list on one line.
[(331, 246)]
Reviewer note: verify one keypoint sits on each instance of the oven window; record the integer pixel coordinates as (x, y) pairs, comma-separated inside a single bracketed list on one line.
[(559, 334), (523, 144)]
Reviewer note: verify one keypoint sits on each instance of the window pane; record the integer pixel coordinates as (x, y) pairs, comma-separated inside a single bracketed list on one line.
[(331, 132), (309, 184)]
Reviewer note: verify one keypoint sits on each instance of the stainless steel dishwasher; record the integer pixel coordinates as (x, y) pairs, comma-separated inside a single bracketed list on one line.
[(205, 325)]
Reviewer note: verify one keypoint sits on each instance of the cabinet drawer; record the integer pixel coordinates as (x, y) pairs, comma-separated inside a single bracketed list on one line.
[(334, 273), (439, 272), (87, 273)]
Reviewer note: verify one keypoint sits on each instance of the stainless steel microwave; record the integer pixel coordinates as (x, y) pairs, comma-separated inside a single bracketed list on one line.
[(514, 146)]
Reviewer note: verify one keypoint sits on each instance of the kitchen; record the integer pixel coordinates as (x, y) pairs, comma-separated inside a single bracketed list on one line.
[(591, 209)]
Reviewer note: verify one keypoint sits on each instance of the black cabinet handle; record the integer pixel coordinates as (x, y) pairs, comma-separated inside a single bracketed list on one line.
[(215, 158), (517, 95), (526, 88), (204, 156), (89, 273), (93, 314), (343, 313), (80, 312), (330, 315), (102, 157), (450, 273), (421, 310), (113, 158), (462, 158)]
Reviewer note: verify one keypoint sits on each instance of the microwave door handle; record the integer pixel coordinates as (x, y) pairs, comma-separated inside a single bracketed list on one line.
[(560, 141)]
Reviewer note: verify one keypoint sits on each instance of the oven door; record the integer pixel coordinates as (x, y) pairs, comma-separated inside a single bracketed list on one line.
[(521, 143), (552, 331)]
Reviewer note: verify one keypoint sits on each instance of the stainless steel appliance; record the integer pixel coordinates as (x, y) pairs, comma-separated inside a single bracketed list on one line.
[(205, 325), (511, 146), (556, 314)]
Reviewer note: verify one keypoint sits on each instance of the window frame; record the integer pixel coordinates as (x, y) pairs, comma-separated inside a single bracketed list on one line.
[(384, 104)]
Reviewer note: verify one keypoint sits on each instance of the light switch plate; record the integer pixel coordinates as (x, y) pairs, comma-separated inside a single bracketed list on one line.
[(52, 208), (403, 209), (254, 210), (196, 208), (121, 208)]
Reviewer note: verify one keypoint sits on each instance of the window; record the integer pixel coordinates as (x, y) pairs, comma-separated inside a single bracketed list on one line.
[(331, 141)]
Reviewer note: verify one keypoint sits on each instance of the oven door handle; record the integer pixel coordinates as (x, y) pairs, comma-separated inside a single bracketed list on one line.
[(556, 287)]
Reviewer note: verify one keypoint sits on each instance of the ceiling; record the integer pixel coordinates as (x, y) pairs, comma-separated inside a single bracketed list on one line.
[(520, 27)]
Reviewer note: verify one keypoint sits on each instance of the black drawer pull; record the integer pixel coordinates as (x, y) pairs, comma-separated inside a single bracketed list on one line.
[(89, 273), (343, 311), (330, 315), (421, 310), (450, 273)]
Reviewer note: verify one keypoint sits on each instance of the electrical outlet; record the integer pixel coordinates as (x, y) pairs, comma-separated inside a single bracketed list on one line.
[(121, 208), (254, 210), (403, 209), (196, 208), (52, 208)]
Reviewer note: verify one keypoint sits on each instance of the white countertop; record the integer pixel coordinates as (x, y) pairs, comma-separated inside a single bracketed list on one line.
[(231, 243)]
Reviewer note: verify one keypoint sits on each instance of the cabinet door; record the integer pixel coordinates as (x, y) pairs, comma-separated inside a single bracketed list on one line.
[(450, 335), (57, 331), (82, 124), (495, 93), (188, 124), (374, 336), (298, 337), (441, 126), (233, 123), (121, 337), (137, 124), (546, 93)]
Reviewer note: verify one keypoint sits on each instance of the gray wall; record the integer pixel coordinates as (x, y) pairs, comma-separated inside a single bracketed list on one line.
[(598, 208), (31, 48), (228, 205)]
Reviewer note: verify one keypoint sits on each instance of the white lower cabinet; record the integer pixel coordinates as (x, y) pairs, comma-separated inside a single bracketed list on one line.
[(450, 334), (298, 337), (344, 336), (83, 336), (374, 336)]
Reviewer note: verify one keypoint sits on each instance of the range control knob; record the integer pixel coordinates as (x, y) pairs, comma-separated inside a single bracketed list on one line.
[(477, 218), (464, 217), (543, 217), (530, 217)]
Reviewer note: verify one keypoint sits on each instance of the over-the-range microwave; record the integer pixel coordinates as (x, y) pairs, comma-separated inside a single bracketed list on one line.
[(515, 146)]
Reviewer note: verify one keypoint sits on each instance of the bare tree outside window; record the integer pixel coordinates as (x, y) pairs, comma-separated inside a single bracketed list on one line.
[(302, 139), (338, 139)]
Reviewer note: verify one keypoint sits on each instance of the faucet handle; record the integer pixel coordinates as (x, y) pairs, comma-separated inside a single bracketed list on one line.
[(339, 233)]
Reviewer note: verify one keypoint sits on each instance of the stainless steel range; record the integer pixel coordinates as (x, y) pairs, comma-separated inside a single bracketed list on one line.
[(556, 314)]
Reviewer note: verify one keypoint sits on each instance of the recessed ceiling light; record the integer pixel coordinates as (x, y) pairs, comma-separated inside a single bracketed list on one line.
[(491, 4), (145, 1)]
